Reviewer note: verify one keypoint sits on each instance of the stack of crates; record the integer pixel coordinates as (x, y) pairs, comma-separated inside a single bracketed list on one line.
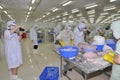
[(50, 73)]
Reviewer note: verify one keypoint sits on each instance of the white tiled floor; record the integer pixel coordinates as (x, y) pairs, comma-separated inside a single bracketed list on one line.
[(34, 64)]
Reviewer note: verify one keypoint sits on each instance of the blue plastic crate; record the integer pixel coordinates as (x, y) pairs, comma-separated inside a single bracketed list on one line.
[(50, 73)]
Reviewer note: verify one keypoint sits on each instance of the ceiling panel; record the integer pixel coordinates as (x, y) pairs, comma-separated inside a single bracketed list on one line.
[(18, 8)]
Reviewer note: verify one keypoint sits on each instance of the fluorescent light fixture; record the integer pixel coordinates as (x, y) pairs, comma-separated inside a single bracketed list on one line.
[(71, 16), (109, 8), (48, 13), (91, 20), (44, 16), (53, 18), (27, 16), (82, 17), (104, 13), (75, 10), (112, 0), (59, 19), (64, 18), (119, 11), (80, 14), (57, 16), (30, 8), (55, 9), (101, 16), (28, 13), (5, 12), (1, 7), (91, 16), (65, 4), (91, 5), (65, 13), (9, 16), (33, 1), (91, 12)]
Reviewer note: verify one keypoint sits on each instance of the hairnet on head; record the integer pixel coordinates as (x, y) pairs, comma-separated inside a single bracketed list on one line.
[(115, 27), (35, 26), (11, 23), (68, 26), (81, 25)]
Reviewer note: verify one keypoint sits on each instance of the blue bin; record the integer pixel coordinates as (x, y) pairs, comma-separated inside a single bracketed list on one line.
[(68, 51), (113, 46), (50, 73), (40, 41), (99, 47)]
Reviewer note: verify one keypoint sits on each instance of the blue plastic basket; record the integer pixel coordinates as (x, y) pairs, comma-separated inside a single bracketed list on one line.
[(99, 47), (50, 73), (68, 51), (113, 46)]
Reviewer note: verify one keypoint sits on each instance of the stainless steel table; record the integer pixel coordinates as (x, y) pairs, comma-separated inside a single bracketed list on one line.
[(85, 67)]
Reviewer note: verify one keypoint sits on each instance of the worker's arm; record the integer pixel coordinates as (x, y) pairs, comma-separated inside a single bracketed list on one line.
[(61, 42), (117, 59), (14, 30)]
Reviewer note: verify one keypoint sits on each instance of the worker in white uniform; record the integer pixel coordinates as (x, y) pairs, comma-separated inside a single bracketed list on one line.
[(13, 48), (34, 39), (115, 27), (57, 30), (66, 35), (79, 33)]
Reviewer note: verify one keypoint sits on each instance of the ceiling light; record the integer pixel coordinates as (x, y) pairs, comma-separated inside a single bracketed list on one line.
[(71, 16), (91, 20), (75, 10), (44, 16), (91, 16), (1, 7), (48, 13), (119, 11), (91, 12), (112, 0), (57, 16), (79, 14), (30, 8), (53, 18), (65, 4), (33, 1), (109, 8), (104, 13), (65, 13), (91, 5), (55, 9), (28, 13), (5, 12)]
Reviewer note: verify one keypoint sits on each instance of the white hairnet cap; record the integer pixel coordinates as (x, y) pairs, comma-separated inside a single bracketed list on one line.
[(11, 22), (68, 26), (81, 25)]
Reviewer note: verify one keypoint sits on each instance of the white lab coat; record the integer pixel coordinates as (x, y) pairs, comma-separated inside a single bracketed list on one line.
[(79, 35), (57, 30), (12, 49), (33, 36), (66, 37)]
